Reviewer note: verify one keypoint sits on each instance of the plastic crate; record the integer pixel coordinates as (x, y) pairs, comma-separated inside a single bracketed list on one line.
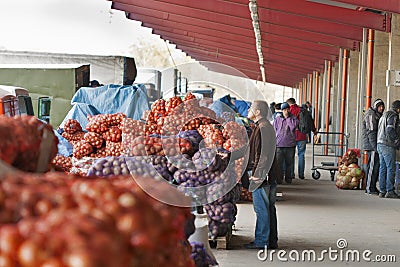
[(9, 106)]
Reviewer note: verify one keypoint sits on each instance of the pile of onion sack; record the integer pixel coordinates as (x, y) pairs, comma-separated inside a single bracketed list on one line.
[(27, 143), (349, 176), (350, 173), (103, 136), (55, 219)]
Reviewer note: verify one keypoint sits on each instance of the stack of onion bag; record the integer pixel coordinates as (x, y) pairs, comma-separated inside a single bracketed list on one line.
[(349, 176), (27, 143), (351, 156), (152, 166), (207, 179), (222, 213), (350, 173), (103, 136), (200, 255), (246, 195), (63, 220)]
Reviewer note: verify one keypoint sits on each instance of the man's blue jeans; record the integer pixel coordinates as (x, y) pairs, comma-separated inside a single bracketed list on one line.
[(266, 232), (301, 164), (285, 155), (387, 167)]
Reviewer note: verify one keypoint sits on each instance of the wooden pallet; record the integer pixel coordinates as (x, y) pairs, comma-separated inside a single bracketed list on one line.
[(223, 242)]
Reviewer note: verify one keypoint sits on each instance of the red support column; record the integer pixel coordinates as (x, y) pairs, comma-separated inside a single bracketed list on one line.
[(328, 103), (316, 105), (310, 86), (368, 87), (346, 55), (300, 91), (370, 67)]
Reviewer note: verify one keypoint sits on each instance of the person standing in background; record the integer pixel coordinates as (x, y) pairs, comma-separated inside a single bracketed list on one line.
[(264, 171), (301, 137), (94, 83), (310, 109), (285, 127), (272, 107), (278, 111), (387, 142), (370, 133)]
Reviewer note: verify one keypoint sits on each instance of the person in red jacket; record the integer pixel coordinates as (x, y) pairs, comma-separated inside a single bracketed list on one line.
[(301, 139)]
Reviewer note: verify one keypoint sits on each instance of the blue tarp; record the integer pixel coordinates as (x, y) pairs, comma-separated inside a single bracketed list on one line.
[(227, 101), (224, 104), (64, 147), (108, 99), (219, 107), (242, 107)]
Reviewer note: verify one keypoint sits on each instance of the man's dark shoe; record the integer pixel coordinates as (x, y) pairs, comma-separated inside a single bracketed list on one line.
[(251, 245), (288, 181), (301, 177), (391, 194), (382, 194), (273, 246)]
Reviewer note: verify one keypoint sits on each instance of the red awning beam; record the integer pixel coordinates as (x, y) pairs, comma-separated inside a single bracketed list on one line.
[(174, 13), (323, 12), (228, 39), (268, 57), (270, 29), (384, 5), (292, 38), (306, 49)]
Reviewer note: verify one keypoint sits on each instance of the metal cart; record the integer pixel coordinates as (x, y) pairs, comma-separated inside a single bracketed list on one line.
[(327, 145)]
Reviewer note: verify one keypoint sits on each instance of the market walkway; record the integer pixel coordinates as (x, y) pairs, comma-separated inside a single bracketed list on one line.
[(314, 215)]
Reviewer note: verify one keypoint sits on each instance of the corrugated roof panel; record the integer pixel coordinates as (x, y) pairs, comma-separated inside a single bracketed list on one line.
[(297, 35)]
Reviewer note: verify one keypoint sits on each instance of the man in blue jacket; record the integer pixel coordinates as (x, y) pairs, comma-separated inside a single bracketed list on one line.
[(388, 142)]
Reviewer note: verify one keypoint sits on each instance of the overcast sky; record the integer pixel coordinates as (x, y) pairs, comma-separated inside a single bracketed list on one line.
[(70, 26)]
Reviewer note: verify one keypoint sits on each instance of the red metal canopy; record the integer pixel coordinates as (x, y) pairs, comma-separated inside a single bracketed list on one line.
[(392, 6), (297, 36)]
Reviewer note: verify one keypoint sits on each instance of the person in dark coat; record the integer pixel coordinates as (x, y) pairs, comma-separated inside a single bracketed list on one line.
[(285, 128), (264, 171), (370, 133), (388, 141), (278, 111), (272, 107)]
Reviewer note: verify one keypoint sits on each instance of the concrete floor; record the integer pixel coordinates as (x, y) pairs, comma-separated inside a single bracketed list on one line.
[(313, 215)]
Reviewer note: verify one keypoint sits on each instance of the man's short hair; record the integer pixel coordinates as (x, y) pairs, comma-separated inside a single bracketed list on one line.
[(94, 83), (262, 106), (291, 101)]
